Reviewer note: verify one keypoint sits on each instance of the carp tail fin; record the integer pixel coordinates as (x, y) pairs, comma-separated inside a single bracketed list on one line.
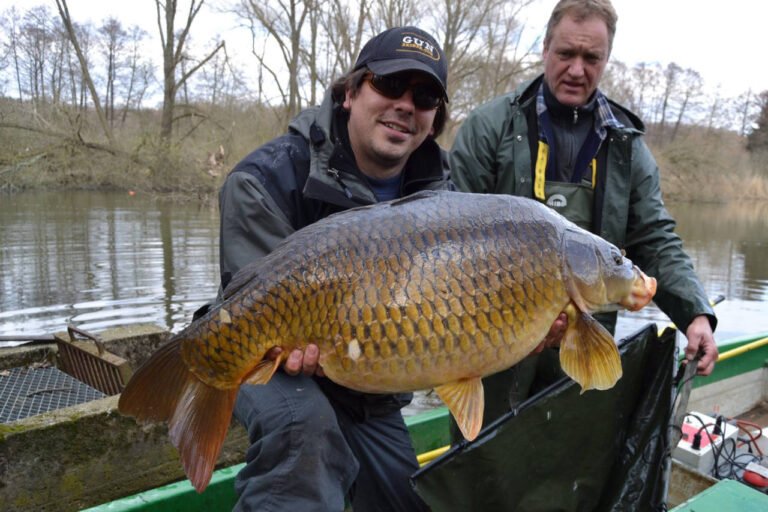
[(153, 391), (588, 353), (198, 429), (465, 400), (164, 389)]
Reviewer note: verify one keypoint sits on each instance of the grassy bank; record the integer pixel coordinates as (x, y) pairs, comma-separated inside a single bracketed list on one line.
[(710, 167), (48, 147)]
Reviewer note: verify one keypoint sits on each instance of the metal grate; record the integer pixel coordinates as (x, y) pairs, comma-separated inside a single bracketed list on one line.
[(27, 392)]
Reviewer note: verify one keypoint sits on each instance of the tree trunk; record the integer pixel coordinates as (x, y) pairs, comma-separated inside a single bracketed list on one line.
[(65, 18)]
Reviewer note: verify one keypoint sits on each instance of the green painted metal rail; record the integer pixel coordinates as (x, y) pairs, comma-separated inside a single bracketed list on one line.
[(752, 352)]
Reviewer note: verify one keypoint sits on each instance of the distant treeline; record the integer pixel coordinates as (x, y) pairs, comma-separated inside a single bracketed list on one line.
[(81, 91)]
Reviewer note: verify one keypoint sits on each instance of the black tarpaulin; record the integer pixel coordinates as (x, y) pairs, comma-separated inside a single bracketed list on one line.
[(562, 450)]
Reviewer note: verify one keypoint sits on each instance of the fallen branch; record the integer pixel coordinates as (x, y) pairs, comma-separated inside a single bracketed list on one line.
[(20, 165), (76, 140)]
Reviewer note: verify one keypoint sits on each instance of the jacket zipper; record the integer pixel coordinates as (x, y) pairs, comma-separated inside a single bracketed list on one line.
[(336, 175)]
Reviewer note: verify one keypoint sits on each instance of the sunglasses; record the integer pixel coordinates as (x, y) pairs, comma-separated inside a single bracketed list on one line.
[(426, 96)]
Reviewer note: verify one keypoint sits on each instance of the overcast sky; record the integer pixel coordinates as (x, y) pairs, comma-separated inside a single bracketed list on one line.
[(725, 42)]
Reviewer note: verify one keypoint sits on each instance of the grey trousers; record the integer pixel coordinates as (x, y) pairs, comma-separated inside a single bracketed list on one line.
[(312, 446)]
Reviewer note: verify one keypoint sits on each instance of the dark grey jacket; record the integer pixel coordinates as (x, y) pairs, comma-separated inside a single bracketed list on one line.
[(300, 178)]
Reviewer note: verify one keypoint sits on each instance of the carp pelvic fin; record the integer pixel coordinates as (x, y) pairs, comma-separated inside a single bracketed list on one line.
[(263, 371), (588, 353), (465, 400), (198, 416)]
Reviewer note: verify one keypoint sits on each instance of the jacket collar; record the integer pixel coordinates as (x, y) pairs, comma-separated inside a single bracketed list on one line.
[(525, 95)]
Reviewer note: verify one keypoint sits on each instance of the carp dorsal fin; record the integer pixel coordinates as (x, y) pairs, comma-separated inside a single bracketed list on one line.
[(263, 371), (588, 353), (465, 400)]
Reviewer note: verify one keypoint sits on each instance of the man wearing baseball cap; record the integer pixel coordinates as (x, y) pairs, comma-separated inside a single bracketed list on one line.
[(315, 443)]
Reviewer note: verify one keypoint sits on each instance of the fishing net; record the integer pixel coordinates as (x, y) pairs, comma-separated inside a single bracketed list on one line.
[(562, 450)]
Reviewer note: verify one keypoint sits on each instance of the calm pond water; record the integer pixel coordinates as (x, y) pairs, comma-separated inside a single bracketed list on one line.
[(100, 259)]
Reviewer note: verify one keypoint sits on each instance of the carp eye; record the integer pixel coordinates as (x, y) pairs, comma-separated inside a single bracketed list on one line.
[(618, 258)]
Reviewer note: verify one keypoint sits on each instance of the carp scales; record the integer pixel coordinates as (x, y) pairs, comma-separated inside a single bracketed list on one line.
[(435, 290)]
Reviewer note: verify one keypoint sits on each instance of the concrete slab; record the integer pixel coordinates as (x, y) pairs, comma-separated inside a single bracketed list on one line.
[(84, 455)]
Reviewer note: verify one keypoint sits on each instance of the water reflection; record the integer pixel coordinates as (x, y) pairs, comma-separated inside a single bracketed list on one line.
[(730, 240), (728, 244), (105, 259)]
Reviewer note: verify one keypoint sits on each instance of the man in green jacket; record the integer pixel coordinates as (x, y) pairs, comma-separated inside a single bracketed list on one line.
[(560, 140)]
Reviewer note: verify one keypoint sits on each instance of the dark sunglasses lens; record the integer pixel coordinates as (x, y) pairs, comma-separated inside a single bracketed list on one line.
[(425, 97), (391, 86)]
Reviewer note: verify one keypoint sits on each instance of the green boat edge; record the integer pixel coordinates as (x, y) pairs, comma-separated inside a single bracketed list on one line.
[(429, 431)]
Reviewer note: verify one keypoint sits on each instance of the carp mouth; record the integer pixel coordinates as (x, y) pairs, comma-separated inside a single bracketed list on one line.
[(642, 291)]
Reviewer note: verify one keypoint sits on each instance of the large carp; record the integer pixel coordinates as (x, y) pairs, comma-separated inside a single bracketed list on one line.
[(435, 290)]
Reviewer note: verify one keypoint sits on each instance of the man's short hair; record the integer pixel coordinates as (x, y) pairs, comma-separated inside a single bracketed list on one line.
[(581, 10)]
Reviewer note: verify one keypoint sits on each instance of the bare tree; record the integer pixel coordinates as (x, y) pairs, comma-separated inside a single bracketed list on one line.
[(671, 78), (113, 40), (714, 111), (35, 43), (279, 23), (214, 79), (174, 45), (10, 24), (690, 88), (385, 14), (139, 72), (618, 84), (645, 79), (310, 53), (300, 47), (745, 105), (74, 76), (68, 25), (86, 37), (482, 43), (757, 140), (60, 51), (344, 24)]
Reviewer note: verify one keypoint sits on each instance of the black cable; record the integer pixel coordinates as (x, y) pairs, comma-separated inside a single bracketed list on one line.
[(716, 450), (678, 382)]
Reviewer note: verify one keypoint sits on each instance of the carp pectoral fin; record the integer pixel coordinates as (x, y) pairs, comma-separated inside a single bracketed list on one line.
[(263, 371), (465, 400), (588, 353)]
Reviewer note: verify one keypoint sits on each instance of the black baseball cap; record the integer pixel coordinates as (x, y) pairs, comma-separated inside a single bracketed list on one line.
[(404, 49)]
